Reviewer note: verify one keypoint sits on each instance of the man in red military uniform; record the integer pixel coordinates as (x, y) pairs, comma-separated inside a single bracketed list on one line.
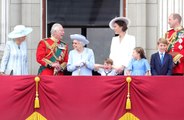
[(175, 38), (52, 53)]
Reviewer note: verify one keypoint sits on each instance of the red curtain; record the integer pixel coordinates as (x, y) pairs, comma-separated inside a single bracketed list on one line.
[(92, 98)]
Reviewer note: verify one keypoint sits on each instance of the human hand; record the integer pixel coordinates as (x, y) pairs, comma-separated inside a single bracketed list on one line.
[(2, 73), (56, 65), (83, 63), (119, 69), (97, 66), (128, 72), (148, 73), (79, 64)]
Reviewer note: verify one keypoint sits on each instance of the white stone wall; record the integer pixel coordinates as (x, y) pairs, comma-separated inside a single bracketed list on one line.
[(144, 23)]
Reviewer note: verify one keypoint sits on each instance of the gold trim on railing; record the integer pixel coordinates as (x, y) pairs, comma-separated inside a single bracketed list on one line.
[(37, 102), (128, 115), (128, 101), (36, 115)]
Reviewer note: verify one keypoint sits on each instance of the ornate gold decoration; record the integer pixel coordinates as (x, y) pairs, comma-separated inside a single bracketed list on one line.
[(128, 116), (128, 102), (36, 116), (177, 58), (37, 102)]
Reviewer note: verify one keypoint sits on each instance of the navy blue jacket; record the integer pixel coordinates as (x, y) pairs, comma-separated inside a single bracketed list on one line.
[(157, 68)]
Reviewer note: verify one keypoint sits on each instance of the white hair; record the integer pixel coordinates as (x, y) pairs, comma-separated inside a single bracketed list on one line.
[(55, 27)]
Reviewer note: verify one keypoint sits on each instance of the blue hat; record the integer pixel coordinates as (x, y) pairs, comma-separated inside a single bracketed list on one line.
[(20, 31), (80, 38)]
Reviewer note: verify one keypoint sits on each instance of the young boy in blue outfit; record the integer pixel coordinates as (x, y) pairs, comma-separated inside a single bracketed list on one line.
[(161, 61), (106, 69)]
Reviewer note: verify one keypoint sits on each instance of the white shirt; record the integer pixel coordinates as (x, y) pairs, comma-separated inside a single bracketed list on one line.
[(121, 53), (107, 73), (160, 53)]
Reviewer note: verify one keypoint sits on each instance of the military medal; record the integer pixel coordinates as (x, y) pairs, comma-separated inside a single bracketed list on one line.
[(180, 40), (180, 47)]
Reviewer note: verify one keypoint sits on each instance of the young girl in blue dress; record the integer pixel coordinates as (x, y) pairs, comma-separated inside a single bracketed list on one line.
[(139, 64)]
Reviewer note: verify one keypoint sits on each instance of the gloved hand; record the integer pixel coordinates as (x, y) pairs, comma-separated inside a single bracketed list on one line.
[(79, 64), (83, 62)]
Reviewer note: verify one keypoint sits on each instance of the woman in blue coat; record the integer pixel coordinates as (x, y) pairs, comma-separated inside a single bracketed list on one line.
[(81, 59), (14, 60)]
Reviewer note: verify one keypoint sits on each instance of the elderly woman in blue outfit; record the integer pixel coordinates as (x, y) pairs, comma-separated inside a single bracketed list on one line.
[(81, 59), (14, 60)]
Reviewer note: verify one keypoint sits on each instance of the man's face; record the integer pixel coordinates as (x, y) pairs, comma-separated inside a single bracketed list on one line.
[(172, 22), (59, 33), (162, 47)]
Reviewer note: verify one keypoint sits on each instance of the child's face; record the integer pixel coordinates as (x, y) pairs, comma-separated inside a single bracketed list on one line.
[(107, 66), (162, 47), (135, 54)]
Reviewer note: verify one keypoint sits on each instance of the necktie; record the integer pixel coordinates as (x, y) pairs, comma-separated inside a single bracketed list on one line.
[(107, 72), (162, 58)]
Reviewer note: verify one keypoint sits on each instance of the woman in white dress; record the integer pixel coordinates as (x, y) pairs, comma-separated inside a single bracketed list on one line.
[(122, 45), (14, 60)]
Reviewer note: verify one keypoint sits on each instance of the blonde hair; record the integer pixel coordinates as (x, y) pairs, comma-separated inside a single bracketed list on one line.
[(162, 40), (108, 61)]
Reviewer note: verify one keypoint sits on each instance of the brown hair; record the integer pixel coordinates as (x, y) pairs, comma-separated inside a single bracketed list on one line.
[(140, 50), (177, 16), (122, 24), (162, 40), (108, 61)]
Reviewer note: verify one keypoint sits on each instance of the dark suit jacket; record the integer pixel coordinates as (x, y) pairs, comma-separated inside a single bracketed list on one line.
[(157, 68)]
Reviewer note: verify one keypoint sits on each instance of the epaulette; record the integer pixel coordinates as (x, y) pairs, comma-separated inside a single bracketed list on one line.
[(45, 39), (170, 30)]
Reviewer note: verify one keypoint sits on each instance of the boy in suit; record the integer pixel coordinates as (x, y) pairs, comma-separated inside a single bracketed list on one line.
[(161, 62)]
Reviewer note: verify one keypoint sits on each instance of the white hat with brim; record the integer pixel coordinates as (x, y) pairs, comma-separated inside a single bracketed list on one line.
[(19, 31), (126, 20), (80, 38)]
